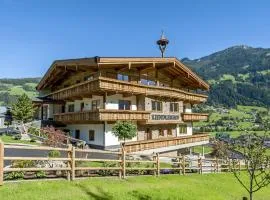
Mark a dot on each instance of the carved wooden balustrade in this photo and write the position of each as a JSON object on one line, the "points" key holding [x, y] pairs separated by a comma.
{"points": [[164, 142], [100, 85], [194, 116], [102, 115]]}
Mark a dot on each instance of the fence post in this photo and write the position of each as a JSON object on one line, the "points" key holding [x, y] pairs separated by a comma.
{"points": [[69, 162], [200, 164], [1, 163], [229, 165], [184, 165], [155, 164], [158, 164], [124, 164], [73, 155], [216, 164], [120, 163]]}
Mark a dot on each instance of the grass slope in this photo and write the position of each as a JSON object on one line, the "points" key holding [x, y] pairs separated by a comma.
{"points": [[175, 187]]}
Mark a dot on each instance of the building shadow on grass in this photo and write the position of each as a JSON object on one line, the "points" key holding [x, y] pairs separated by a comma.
{"points": [[100, 194]]}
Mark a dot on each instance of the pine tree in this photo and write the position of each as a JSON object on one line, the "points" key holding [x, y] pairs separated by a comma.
{"points": [[23, 110]]}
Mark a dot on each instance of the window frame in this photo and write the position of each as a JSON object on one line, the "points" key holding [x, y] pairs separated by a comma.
{"points": [[125, 106], [154, 106], [91, 137], [95, 104], [71, 106], [174, 107]]}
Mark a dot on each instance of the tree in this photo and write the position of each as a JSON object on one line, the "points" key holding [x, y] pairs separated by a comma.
{"points": [[253, 148], [53, 137], [124, 130], [23, 110]]}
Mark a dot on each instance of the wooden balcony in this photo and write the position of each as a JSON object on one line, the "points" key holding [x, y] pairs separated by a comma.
{"points": [[102, 115], [193, 117], [164, 142], [100, 85]]}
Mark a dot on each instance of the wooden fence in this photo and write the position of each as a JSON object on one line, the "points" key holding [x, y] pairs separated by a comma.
{"points": [[123, 162]]}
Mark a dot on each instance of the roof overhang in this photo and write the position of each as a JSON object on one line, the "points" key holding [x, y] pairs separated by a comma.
{"points": [[172, 66]]}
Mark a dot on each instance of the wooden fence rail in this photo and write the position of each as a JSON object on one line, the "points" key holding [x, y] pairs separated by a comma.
{"points": [[123, 163]]}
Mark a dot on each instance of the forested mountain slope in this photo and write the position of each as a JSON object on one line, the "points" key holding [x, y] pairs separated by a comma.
{"points": [[237, 75]]}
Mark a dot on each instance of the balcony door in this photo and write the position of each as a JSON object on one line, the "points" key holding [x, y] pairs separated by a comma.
{"points": [[124, 105], [148, 134]]}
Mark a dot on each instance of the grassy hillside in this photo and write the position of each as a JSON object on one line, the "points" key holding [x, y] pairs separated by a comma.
{"points": [[240, 118], [169, 187], [10, 89]]}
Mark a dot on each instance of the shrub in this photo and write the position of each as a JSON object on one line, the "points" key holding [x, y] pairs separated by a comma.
{"points": [[32, 140], [54, 154], [40, 174], [23, 164], [15, 175], [17, 137]]}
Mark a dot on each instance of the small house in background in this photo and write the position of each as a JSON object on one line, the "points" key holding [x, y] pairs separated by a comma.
{"points": [[3, 110]]}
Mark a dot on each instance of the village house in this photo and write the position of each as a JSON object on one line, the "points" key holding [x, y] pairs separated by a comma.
{"points": [[88, 95]]}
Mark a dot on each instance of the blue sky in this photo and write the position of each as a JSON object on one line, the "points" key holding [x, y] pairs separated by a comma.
{"points": [[34, 33]]}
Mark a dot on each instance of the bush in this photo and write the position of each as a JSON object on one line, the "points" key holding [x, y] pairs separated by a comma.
{"points": [[17, 137], [40, 174], [15, 175], [23, 164], [32, 140], [54, 154]]}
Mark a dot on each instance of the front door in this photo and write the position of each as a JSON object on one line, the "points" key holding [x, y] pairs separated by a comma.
{"points": [[148, 134], [77, 134]]}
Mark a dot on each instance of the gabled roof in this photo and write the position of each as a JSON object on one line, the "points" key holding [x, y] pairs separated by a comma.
{"points": [[173, 66]]}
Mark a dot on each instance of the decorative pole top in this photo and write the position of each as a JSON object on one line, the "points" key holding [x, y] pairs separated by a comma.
{"points": [[162, 43]]}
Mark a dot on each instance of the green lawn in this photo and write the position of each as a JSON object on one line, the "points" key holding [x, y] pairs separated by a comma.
{"points": [[9, 139], [235, 134], [168, 187], [198, 149]]}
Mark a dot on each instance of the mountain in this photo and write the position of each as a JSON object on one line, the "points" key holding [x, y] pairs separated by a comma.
{"points": [[237, 75], [10, 89]]}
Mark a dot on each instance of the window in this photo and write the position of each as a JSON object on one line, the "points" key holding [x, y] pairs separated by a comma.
{"points": [[77, 134], [147, 82], [174, 107], [124, 105], [71, 108], [183, 129], [91, 135], [156, 106], [169, 132], [122, 77], [95, 104], [88, 78], [161, 132], [82, 106], [63, 108]]}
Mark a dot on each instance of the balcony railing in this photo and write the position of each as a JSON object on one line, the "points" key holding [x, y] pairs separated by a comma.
{"points": [[102, 84], [102, 115], [194, 116], [164, 142]]}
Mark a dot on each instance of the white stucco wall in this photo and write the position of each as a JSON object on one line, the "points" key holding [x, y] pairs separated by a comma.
{"points": [[110, 139], [188, 108], [84, 132], [113, 101], [189, 128]]}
